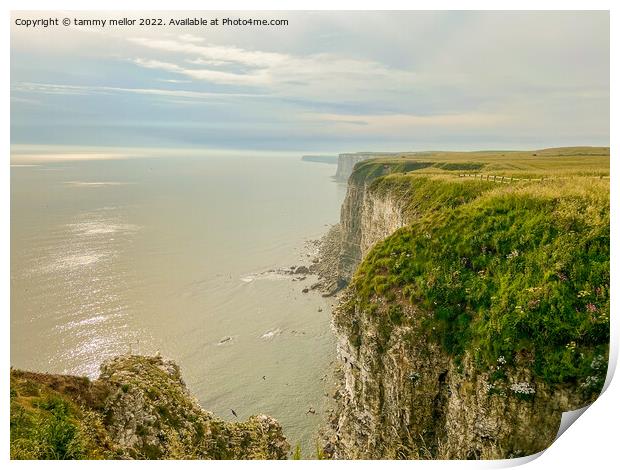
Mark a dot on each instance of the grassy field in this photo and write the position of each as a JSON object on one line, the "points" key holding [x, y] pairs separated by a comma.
{"points": [[504, 269], [556, 162]]}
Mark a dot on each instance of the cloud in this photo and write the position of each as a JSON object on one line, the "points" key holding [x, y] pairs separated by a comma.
{"points": [[358, 78], [400, 124], [55, 89], [259, 77], [190, 38], [225, 54], [172, 80], [313, 76]]}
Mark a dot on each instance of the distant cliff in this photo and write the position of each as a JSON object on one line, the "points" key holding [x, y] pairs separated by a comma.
{"points": [[139, 408], [329, 159], [367, 217], [347, 161], [476, 312]]}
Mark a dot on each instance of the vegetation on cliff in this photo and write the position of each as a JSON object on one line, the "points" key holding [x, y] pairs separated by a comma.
{"points": [[466, 332], [505, 269], [138, 408]]}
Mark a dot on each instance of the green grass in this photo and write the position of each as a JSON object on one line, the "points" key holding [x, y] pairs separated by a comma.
{"points": [[423, 193], [46, 424], [503, 270], [370, 169], [551, 163]]}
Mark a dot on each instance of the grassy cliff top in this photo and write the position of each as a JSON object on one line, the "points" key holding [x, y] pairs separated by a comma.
{"points": [[553, 162]]}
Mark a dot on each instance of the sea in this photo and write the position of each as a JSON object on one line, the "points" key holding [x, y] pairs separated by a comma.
{"points": [[182, 256]]}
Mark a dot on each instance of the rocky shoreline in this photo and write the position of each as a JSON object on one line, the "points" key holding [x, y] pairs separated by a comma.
{"points": [[324, 256], [325, 264]]}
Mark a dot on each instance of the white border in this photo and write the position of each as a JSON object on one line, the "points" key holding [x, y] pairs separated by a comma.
{"points": [[592, 442]]}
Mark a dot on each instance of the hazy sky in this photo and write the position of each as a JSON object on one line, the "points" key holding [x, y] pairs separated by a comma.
{"points": [[327, 82]]}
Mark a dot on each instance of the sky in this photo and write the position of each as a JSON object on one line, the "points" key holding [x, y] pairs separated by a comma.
{"points": [[327, 82]]}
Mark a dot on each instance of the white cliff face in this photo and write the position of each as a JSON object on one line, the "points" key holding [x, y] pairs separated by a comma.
{"points": [[381, 216], [388, 392], [365, 219], [347, 161], [514, 417], [402, 396]]}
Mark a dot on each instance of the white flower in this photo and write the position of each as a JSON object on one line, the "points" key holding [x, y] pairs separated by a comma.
{"points": [[598, 362], [522, 388], [592, 382]]}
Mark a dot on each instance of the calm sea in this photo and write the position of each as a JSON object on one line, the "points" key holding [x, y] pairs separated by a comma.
{"points": [[173, 255]]}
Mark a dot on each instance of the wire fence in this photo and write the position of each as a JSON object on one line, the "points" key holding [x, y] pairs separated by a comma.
{"points": [[510, 179]]}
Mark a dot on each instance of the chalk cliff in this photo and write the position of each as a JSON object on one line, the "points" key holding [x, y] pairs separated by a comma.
{"points": [[439, 357]]}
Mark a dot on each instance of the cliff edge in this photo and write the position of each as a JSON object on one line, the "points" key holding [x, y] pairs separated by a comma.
{"points": [[138, 408]]}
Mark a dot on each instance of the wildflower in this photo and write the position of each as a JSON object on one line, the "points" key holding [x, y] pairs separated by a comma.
{"points": [[513, 254], [591, 308], [522, 388], [598, 363], [501, 360], [592, 382]]}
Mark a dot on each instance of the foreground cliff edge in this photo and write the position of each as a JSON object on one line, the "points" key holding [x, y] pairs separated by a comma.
{"points": [[477, 309], [138, 408]]}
